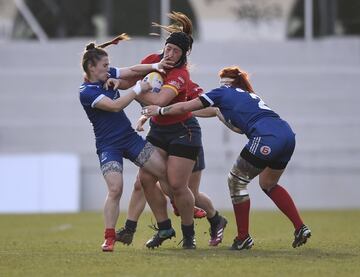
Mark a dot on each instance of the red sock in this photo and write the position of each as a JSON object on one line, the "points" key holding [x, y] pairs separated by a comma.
{"points": [[109, 233], [242, 211], [284, 202]]}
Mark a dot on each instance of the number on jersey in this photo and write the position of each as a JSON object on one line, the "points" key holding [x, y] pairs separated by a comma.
{"points": [[261, 103]]}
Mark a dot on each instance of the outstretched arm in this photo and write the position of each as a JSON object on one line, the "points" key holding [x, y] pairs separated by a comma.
{"points": [[178, 108], [140, 70], [207, 112]]}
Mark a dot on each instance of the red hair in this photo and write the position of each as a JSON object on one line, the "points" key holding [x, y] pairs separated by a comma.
{"points": [[241, 77]]}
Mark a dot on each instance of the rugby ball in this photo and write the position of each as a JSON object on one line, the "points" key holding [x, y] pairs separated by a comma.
{"points": [[156, 81]]}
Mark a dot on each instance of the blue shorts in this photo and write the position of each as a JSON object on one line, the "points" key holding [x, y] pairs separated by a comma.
{"points": [[181, 139], [271, 144], [129, 149]]}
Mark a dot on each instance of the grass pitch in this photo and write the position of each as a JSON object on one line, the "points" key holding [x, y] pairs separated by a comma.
{"points": [[69, 245]]}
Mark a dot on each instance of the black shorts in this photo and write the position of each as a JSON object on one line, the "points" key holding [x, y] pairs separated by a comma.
{"points": [[180, 139], [200, 161]]}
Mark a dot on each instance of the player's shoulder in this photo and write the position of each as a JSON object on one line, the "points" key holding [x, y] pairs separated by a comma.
{"points": [[179, 72], [88, 88], [152, 58]]}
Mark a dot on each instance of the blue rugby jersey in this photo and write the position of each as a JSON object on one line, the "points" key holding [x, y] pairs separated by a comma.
{"points": [[109, 127], [239, 108]]}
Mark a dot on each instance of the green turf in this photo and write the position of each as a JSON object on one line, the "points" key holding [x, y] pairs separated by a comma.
{"points": [[69, 245]]}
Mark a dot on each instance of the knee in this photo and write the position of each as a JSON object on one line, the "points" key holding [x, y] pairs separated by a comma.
{"points": [[137, 185], [115, 190], [177, 187], [266, 186], [238, 187]]}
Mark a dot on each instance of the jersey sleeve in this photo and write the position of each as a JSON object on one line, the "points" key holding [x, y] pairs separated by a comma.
{"points": [[153, 58], [176, 80], [90, 97], [211, 98], [114, 72], [194, 91]]}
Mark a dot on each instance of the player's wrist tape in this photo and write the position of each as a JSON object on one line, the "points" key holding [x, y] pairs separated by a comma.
{"points": [[137, 88], [155, 66], [160, 111]]}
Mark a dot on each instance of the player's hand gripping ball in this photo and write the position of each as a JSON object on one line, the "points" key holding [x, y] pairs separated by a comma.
{"points": [[155, 80]]}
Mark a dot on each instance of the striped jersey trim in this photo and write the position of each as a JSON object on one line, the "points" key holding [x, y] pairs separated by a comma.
{"points": [[171, 87], [254, 145]]}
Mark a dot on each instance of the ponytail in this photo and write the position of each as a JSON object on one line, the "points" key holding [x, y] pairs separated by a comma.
{"points": [[181, 24], [238, 77], [115, 41], [94, 53]]}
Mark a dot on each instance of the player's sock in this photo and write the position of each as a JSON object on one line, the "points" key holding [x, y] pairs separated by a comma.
{"points": [[109, 233], [214, 221], [131, 225], [164, 225], [188, 230], [284, 202], [242, 211]]}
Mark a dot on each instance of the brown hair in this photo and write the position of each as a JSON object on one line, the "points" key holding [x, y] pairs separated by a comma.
{"points": [[94, 53], [241, 77], [181, 24]]}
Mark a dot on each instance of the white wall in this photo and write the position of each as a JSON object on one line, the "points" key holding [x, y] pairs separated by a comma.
{"points": [[36, 183], [313, 86]]}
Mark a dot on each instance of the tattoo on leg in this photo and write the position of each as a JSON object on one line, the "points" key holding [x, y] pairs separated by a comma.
{"points": [[112, 166], [144, 155]]}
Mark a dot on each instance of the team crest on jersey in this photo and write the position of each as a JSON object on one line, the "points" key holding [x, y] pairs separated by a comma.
{"points": [[175, 84], [265, 150], [103, 157]]}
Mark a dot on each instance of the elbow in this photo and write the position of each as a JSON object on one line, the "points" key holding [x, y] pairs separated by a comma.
{"points": [[115, 109]]}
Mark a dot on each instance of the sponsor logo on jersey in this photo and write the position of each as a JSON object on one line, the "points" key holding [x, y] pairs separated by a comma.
{"points": [[265, 150], [103, 156], [116, 95], [175, 84], [181, 79]]}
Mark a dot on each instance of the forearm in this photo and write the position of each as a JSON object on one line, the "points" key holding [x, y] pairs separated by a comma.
{"points": [[178, 108], [123, 101], [152, 99], [207, 112], [140, 70]]}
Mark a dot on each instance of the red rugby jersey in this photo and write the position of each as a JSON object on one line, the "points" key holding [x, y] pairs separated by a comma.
{"points": [[194, 91], [178, 80]]}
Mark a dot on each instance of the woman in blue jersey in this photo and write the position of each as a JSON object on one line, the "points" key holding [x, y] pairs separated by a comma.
{"points": [[115, 138], [270, 147]]}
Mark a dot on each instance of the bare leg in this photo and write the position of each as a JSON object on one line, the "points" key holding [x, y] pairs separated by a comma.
{"points": [[179, 171], [154, 195], [112, 172], [201, 199], [137, 201], [114, 183]]}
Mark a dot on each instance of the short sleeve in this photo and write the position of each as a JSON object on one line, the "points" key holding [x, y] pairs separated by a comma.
{"points": [[90, 97], [153, 58], [194, 91], [211, 98], [114, 72]]}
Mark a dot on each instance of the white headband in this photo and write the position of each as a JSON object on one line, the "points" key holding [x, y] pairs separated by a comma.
{"points": [[226, 81]]}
